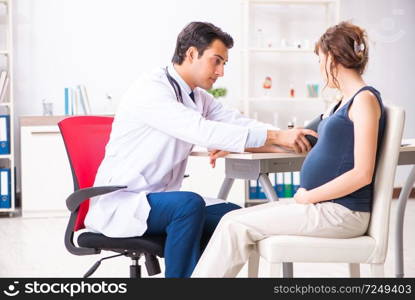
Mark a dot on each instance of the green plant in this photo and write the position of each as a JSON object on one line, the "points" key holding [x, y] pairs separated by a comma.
{"points": [[217, 93]]}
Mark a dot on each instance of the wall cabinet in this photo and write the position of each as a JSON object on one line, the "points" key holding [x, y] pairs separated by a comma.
{"points": [[46, 174]]}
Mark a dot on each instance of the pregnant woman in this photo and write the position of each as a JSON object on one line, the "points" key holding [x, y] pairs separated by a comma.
{"points": [[334, 200]]}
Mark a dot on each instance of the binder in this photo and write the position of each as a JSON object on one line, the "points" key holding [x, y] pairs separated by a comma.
{"points": [[5, 188], [296, 182], [273, 179], [67, 100], [4, 89], [253, 189], [4, 82], [288, 186], [83, 96], [3, 76], [280, 185], [72, 101], [261, 193], [4, 134]]}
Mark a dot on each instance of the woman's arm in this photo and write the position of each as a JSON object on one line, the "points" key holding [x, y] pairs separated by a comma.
{"points": [[365, 114]]}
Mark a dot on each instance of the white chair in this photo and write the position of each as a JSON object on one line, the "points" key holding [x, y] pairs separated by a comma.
{"points": [[370, 248]]}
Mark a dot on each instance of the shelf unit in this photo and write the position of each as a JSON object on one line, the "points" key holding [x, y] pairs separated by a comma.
{"points": [[7, 107], [278, 41]]}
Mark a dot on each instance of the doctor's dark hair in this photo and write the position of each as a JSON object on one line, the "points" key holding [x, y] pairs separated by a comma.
{"points": [[348, 46], [199, 35]]}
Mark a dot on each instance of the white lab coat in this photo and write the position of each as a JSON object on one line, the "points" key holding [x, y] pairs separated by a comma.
{"points": [[151, 139]]}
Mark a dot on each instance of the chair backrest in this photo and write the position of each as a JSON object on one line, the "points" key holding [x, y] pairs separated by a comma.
{"points": [[384, 180], [85, 138]]}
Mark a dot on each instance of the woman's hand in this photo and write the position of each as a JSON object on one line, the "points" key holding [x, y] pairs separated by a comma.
{"points": [[302, 196], [214, 154]]}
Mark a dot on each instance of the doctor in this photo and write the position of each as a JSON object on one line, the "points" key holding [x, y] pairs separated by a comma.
{"points": [[159, 120]]}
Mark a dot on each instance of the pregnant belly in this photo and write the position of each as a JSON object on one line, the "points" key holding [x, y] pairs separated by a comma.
{"points": [[318, 170]]}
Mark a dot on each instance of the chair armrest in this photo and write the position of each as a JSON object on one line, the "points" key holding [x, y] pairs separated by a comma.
{"points": [[73, 202], [76, 198]]}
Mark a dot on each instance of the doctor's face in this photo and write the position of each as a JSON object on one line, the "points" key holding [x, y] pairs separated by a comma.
{"points": [[210, 66]]}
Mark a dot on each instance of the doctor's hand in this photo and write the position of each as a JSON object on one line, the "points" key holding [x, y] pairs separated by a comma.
{"points": [[214, 154], [301, 197], [293, 139]]}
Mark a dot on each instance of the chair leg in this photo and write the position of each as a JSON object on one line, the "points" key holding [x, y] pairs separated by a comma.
{"points": [[377, 270], [135, 268], [354, 270], [287, 270], [253, 265], [272, 269], [152, 264]]}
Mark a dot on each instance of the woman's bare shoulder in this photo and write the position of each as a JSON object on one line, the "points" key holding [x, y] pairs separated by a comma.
{"points": [[366, 98], [365, 102]]}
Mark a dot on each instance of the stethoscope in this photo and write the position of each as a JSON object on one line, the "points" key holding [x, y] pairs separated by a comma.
{"points": [[175, 85]]}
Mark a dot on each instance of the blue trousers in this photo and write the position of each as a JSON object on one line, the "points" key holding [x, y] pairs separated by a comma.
{"points": [[188, 224]]}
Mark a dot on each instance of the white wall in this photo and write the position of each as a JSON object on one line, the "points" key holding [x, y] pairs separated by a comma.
{"points": [[391, 28], [105, 44]]}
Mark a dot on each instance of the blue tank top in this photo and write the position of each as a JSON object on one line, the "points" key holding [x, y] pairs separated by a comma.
{"points": [[333, 154]]}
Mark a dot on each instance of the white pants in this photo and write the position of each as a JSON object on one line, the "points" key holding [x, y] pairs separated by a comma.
{"points": [[239, 230]]}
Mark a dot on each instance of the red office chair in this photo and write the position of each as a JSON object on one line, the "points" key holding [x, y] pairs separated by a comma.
{"points": [[85, 138]]}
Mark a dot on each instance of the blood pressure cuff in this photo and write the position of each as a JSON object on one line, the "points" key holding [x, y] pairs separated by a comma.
{"points": [[313, 125]]}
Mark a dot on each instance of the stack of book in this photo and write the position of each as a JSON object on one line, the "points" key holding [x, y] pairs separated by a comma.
{"points": [[4, 86], [77, 101]]}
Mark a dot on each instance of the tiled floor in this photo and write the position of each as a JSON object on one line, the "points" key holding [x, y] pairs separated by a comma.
{"points": [[33, 247]]}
